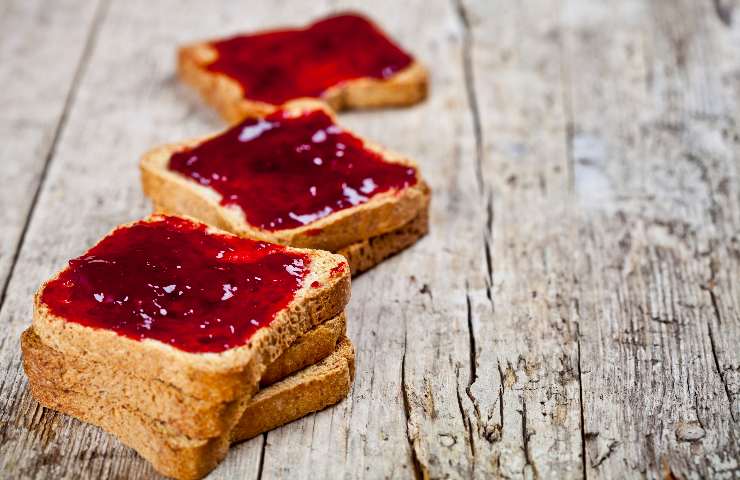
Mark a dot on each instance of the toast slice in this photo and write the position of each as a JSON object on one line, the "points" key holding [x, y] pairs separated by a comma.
{"points": [[344, 60], [183, 415], [331, 202], [211, 368]]}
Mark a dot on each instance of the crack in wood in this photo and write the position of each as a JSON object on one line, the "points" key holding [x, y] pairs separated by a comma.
{"points": [[501, 395], [420, 472], [100, 12], [584, 469], [467, 54], [712, 343], [487, 243], [467, 422], [724, 12], [526, 435], [471, 342], [260, 467], [601, 448]]}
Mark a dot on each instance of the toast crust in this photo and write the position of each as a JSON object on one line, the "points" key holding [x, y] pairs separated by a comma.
{"points": [[183, 460], [176, 194], [182, 415], [315, 345], [404, 88], [306, 391], [311, 389]]}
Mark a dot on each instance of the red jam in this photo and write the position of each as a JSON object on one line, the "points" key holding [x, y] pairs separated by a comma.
{"points": [[280, 65], [338, 270], [169, 280], [286, 172]]}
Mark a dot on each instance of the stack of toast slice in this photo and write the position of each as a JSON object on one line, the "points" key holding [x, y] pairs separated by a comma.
{"points": [[297, 178], [344, 60], [179, 339]]}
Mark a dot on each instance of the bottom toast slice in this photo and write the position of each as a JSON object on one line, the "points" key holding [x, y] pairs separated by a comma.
{"points": [[311, 389]]}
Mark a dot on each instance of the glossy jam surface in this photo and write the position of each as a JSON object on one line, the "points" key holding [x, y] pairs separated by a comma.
{"points": [[280, 65], [169, 280], [285, 172]]}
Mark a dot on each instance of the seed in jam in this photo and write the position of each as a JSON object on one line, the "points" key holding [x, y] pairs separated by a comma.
{"points": [[280, 65], [170, 280], [285, 171]]}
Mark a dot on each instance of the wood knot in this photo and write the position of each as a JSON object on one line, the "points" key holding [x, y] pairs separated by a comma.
{"points": [[689, 431]]}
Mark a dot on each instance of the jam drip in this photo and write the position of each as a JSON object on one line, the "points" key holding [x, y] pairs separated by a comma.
{"points": [[280, 65], [169, 280], [288, 171]]}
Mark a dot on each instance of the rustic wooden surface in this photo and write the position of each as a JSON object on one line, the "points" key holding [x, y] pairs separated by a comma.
{"points": [[575, 311]]}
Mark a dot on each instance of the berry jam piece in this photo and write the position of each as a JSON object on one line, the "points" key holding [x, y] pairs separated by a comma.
{"points": [[338, 270], [170, 280], [287, 171], [280, 65]]}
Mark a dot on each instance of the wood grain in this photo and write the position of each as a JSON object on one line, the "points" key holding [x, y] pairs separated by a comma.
{"points": [[654, 400], [574, 311], [38, 90]]}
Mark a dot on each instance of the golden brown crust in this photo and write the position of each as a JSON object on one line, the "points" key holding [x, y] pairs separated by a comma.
{"points": [[177, 458], [312, 347], [406, 87], [311, 389], [173, 193], [181, 415]]}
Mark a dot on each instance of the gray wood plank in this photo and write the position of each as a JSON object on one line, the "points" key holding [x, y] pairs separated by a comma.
{"points": [[651, 142], [43, 51]]}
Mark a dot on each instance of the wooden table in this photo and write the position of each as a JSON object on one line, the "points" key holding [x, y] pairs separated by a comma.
{"points": [[575, 311]]}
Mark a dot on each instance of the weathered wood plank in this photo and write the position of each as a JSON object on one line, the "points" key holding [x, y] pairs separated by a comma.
{"points": [[42, 52], [648, 111], [722, 181], [407, 317], [524, 401]]}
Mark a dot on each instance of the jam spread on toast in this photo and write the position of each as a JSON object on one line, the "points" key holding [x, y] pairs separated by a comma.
{"points": [[170, 280], [285, 171], [280, 65]]}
